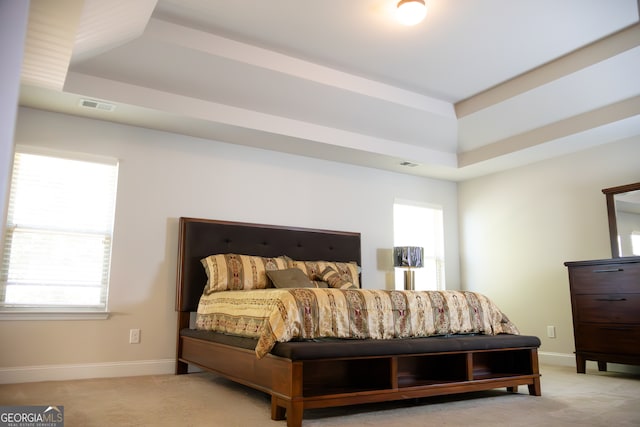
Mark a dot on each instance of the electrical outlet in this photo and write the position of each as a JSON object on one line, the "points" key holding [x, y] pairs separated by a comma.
{"points": [[134, 336], [551, 331]]}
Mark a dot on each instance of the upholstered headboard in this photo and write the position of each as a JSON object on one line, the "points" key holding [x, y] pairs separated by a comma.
{"points": [[199, 238]]}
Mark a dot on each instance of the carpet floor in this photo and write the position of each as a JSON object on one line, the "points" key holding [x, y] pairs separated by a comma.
{"points": [[204, 399]]}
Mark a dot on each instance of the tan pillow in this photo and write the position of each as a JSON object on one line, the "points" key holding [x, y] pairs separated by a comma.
{"points": [[237, 272], [289, 278], [320, 284]]}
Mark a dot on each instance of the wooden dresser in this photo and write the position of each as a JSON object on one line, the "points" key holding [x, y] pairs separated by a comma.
{"points": [[605, 301]]}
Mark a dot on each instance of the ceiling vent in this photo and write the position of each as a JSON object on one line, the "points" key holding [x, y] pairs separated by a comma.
{"points": [[408, 164], [97, 105]]}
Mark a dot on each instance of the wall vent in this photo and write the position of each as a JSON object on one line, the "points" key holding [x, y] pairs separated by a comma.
{"points": [[97, 105], [408, 164]]}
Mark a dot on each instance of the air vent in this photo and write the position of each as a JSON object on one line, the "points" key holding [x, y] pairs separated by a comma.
{"points": [[97, 105], [408, 164]]}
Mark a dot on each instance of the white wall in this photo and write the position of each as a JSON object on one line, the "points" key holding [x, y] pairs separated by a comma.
{"points": [[164, 176], [13, 30], [518, 228]]}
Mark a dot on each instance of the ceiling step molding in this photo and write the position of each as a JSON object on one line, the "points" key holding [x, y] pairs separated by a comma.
{"points": [[577, 60]]}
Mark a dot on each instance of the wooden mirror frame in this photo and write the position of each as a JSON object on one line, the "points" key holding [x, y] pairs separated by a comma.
{"points": [[611, 213]]}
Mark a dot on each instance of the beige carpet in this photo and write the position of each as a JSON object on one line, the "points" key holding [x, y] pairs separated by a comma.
{"points": [[202, 399]]}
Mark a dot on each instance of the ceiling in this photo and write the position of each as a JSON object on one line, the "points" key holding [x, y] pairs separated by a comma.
{"points": [[477, 87]]}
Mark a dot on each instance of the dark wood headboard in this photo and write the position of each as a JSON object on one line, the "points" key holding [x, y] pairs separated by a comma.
{"points": [[199, 238]]}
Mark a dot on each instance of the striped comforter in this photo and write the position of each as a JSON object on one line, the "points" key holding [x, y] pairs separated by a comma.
{"points": [[280, 315]]}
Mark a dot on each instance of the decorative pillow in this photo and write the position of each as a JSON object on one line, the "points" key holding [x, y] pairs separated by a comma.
{"points": [[289, 278], [227, 272], [313, 269], [319, 283], [335, 280]]}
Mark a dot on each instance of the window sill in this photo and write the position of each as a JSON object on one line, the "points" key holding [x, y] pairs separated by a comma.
{"points": [[54, 315]]}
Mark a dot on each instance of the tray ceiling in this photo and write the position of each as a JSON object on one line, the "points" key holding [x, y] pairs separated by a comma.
{"points": [[477, 87]]}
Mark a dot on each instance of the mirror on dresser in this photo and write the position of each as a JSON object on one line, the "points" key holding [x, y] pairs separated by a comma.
{"points": [[623, 209], [605, 293]]}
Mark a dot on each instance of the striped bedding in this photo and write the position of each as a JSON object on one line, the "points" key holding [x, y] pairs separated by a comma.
{"points": [[281, 315]]}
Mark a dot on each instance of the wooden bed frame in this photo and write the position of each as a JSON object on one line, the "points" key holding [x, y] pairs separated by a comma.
{"points": [[301, 376]]}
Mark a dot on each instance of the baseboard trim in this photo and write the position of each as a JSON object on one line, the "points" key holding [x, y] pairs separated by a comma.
{"points": [[563, 359], [26, 374], [557, 359]]}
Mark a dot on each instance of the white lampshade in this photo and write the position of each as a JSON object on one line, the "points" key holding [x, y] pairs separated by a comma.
{"points": [[410, 12]]}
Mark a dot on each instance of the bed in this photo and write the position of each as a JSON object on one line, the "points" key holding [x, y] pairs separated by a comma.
{"points": [[317, 373]]}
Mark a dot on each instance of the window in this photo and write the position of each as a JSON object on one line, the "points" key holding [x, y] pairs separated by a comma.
{"points": [[420, 225], [635, 242], [57, 248]]}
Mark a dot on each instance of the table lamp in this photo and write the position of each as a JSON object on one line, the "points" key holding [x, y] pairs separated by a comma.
{"points": [[408, 257]]}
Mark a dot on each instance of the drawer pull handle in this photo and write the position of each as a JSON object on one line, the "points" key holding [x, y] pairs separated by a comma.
{"points": [[608, 270], [611, 299]]}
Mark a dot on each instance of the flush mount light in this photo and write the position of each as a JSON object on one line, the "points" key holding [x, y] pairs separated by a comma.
{"points": [[410, 12]]}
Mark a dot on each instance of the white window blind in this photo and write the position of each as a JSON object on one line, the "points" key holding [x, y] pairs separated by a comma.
{"points": [[57, 248], [415, 224]]}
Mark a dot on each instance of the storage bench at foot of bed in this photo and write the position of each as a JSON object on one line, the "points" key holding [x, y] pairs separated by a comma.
{"points": [[301, 376], [327, 383]]}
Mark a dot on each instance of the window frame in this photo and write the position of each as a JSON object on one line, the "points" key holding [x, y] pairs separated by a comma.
{"points": [[40, 311]]}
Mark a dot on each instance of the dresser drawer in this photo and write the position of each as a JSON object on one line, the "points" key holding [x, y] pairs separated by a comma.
{"points": [[605, 278], [608, 308], [617, 339]]}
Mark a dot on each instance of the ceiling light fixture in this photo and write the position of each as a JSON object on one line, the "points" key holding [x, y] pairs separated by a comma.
{"points": [[411, 12]]}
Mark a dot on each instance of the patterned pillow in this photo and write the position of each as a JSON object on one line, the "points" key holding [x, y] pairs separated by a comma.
{"points": [[335, 280], [227, 272], [313, 269], [320, 284]]}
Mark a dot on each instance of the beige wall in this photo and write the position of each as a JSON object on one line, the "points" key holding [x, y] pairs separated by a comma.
{"points": [[516, 230], [164, 176], [518, 227]]}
